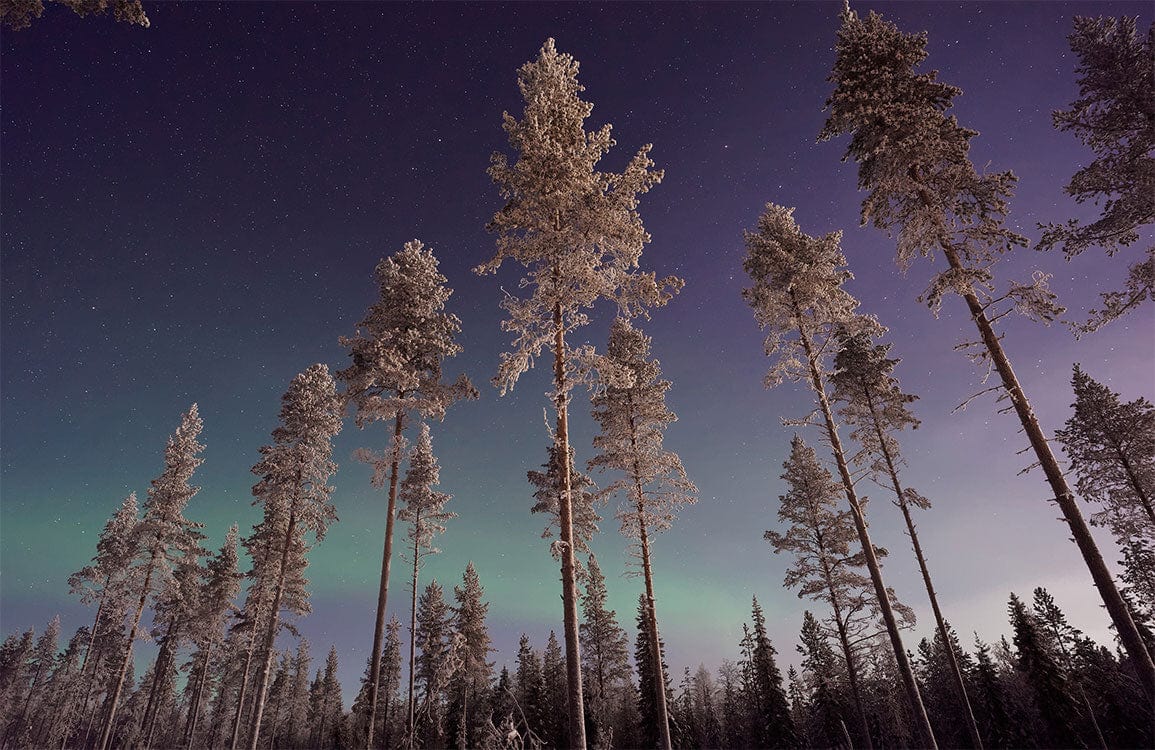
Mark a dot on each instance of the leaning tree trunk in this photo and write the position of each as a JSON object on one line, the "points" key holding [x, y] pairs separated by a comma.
{"points": [[1064, 498], [940, 621], [576, 707], [106, 732], [383, 587], [271, 633], [198, 695], [160, 668], [904, 668], [851, 666], [410, 723]]}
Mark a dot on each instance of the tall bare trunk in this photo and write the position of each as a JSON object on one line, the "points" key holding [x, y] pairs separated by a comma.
{"points": [[383, 586], [410, 723], [904, 668], [106, 732], [160, 667], [242, 692], [577, 726], [271, 633], [195, 709], [940, 621]]}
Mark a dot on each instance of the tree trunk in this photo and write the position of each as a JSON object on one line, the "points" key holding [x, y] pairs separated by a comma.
{"points": [[940, 622], [904, 668], [577, 725], [655, 645], [241, 692], [106, 732], [383, 587], [195, 709], [160, 667], [410, 723], [851, 667], [271, 633], [1136, 485]]}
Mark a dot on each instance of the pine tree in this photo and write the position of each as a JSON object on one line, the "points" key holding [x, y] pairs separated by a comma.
{"points": [[766, 699], [650, 670], [529, 689], [798, 300], [39, 664], [605, 653], [1039, 660], [873, 405], [395, 375], [549, 486], [820, 538], [1112, 116], [294, 471], [163, 532], [913, 158], [469, 687], [577, 232], [1111, 448], [424, 509], [555, 729], [221, 585], [630, 408], [824, 709]]}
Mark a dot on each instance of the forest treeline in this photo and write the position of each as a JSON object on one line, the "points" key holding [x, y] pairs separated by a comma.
{"points": [[227, 673]]}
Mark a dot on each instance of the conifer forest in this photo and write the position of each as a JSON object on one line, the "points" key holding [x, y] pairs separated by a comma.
{"points": [[672, 375]]}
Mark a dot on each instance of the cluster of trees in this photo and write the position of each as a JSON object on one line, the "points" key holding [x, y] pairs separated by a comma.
{"points": [[576, 232]]}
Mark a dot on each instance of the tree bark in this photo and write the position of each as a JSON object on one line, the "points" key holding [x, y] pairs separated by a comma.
{"points": [[940, 621], [383, 586], [106, 732], [904, 668], [577, 725], [410, 719], [271, 633], [161, 665], [195, 709]]}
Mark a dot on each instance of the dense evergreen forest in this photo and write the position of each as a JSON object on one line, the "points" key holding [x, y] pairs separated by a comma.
{"points": [[231, 670]]}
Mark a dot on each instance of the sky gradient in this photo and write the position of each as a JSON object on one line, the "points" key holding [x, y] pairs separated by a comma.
{"points": [[192, 213]]}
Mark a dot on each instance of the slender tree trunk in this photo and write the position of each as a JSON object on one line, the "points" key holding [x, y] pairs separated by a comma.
{"points": [[410, 720], [940, 621], [106, 732], [271, 632], [1064, 498], [577, 725], [904, 668], [848, 652], [383, 587], [651, 611], [160, 668], [195, 710], [243, 690], [1136, 485], [846, 735], [277, 715]]}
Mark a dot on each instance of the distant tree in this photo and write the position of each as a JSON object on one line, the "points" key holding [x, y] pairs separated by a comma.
{"points": [[424, 509], [165, 534], [605, 653], [388, 694], [935, 659], [1039, 661], [555, 729], [325, 707], [646, 658], [1112, 116], [396, 374], [432, 666], [821, 680], [294, 471], [872, 404], [18, 14], [38, 667], [765, 697], [470, 684], [578, 233], [913, 158], [1111, 448], [529, 689], [820, 537], [630, 408], [798, 300]]}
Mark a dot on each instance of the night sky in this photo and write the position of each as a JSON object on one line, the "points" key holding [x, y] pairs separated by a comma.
{"points": [[192, 213]]}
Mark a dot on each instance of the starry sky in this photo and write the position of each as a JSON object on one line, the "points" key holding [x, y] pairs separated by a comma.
{"points": [[192, 213]]}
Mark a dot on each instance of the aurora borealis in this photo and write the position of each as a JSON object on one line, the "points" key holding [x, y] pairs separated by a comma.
{"points": [[192, 212]]}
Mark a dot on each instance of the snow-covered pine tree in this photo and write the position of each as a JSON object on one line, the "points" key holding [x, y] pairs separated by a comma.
{"points": [[913, 159], [605, 654], [629, 406], [424, 509], [1112, 117], [823, 709], [1039, 659], [163, 532], [555, 729], [578, 233], [294, 471], [871, 402], [820, 536], [1111, 449], [431, 668], [770, 713], [798, 300], [395, 374], [529, 691], [549, 487], [470, 684], [648, 673], [221, 586]]}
